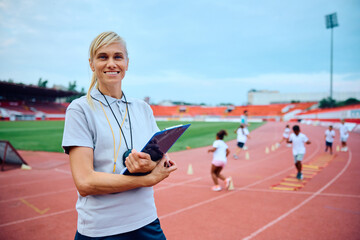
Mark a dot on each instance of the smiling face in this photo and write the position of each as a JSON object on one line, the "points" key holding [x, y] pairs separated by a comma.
{"points": [[110, 64]]}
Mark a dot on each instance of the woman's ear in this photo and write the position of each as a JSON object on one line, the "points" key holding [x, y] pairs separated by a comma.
{"points": [[127, 65], [91, 65]]}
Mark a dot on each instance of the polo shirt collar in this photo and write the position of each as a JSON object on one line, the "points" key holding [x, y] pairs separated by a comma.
{"points": [[96, 95]]}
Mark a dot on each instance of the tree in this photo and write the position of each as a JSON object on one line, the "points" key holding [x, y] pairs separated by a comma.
{"points": [[327, 103], [42, 83], [351, 101], [72, 86]]}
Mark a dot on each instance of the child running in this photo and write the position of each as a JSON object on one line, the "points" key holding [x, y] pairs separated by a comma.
{"points": [[329, 138], [286, 135], [298, 139], [242, 135], [344, 134], [221, 151]]}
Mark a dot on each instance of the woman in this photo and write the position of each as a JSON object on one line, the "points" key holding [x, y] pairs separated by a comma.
{"points": [[102, 131]]}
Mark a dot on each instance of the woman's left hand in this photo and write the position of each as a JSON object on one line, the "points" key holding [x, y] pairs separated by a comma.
{"points": [[139, 162]]}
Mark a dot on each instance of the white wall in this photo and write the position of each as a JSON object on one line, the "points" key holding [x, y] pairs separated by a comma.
{"points": [[267, 97]]}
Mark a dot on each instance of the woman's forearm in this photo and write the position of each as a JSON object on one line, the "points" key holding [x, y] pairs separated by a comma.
{"points": [[104, 183]]}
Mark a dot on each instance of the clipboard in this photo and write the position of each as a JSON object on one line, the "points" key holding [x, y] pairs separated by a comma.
{"points": [[160, 143]]}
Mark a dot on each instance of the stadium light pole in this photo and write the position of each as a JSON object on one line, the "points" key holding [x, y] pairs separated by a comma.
{"points": [[331, 22]]}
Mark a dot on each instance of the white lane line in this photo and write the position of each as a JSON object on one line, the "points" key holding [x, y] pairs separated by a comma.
{"points": [[305, 193], [37, 217], [38, 195], [302, 203], [63, 171], [33, 182], [178, 184], [285, 192]]}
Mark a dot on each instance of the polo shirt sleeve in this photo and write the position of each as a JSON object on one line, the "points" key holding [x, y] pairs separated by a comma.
{"points": [[216, 144], [152, 120], [76, 130]]}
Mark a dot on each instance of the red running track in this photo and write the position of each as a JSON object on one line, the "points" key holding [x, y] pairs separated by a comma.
{"points": [[40, 203]]}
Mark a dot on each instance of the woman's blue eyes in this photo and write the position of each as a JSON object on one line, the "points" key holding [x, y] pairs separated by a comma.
{"points": [[105, 57]]}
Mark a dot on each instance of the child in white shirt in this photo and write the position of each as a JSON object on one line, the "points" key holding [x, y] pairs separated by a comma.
{"points": [[298, 139], [286, 135], [329, 138], [344, 134], [242, 135], [221, 151]]}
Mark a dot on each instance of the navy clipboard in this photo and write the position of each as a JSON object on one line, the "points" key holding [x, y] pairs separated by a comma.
{"points": [[160, 143]]}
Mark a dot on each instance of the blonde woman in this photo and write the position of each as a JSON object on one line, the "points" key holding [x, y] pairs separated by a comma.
{"points": [[102, 133]]}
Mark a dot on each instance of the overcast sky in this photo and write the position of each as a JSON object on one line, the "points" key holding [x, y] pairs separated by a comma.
{"points": [[195, 51]]}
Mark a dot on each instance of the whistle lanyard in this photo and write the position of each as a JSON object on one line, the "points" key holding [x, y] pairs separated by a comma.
{"points": [[116, 152]]}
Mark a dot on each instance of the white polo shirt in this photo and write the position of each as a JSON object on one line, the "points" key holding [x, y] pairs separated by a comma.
{"points": [[110, 214]]}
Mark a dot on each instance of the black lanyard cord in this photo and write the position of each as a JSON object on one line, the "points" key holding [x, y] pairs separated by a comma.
{"points": [[127, 109]]}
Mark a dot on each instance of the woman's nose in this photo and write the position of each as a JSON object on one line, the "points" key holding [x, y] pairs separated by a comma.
{"points": [[111, 63]]}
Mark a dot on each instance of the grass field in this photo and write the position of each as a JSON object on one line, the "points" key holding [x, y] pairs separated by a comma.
{"points": [[47, 135]]}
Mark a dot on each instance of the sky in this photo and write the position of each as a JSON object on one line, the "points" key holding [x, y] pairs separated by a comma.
{"points": [[199, 51]]}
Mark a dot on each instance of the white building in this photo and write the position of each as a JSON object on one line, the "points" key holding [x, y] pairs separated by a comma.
{"points": [[265, 97]]}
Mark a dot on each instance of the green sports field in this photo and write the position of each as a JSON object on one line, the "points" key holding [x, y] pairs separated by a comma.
{"points": [[47, 135]]}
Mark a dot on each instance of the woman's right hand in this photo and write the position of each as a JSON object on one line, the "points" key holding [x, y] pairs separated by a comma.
{"points": [[162, 170]]}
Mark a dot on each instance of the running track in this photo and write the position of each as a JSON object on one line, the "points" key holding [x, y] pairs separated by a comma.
{"points": [[39, 204]]}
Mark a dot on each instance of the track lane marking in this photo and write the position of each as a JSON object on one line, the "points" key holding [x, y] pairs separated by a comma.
{"points": [[41, 212], [38, 195], [63, 171], [37, 217], [177, 184]]}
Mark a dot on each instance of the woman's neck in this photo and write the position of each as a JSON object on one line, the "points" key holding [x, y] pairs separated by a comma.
{"points": [[112, 91]]}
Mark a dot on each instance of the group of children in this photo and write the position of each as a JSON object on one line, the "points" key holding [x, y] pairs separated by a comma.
{"points": [[297, 139]]}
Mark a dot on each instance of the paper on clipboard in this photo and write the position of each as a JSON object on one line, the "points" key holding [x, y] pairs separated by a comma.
{"points": [[160, 143]]}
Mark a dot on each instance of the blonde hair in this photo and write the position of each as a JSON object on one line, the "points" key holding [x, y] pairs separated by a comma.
{"points": [[103, 39]]}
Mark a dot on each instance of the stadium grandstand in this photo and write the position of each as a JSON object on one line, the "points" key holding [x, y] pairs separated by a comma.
{"points": [[271, 112], [350, 113], [28, 102]]}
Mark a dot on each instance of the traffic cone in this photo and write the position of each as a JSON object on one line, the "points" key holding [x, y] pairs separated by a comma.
{"points": [[188, 147], [267, 150], [25, 167], [247, 155], [231, 185], [190, 170]]}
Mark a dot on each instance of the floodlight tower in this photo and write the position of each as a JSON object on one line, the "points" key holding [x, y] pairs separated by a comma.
{"points": [[331, 22]]}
